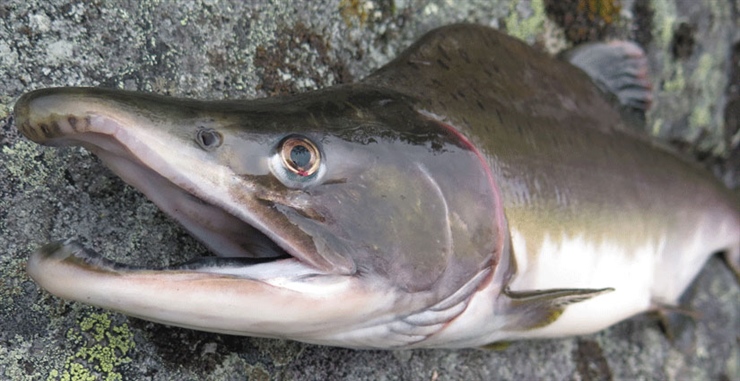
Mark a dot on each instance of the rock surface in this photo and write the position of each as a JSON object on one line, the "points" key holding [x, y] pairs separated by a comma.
{"points": [[234, 49]]}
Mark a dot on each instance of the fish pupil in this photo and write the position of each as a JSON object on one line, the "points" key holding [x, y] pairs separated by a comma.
{"points": [[300, 156]]}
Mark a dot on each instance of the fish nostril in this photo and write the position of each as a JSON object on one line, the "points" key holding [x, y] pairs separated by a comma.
{"points": [[45, 129], [208, 138], [72, 120]]}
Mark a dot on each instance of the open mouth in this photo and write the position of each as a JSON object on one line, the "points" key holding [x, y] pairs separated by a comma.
{"points": [[242, 251], [238, 245], [172, 173]]}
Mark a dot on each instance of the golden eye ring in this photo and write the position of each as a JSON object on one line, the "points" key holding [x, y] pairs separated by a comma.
{"points": [[300, 156]]}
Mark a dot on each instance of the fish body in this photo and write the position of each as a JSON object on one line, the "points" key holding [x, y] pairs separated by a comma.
{"points": [[471, 191]]}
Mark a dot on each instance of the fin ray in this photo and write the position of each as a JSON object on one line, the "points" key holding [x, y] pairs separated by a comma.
{"points": [[617, 67], [538, 308]]}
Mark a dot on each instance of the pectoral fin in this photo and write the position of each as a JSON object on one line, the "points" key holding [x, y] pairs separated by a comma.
{"points": [[538, 308]]}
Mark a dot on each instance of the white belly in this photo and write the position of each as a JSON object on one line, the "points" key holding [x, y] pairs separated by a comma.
{"points": [[574, 262]]}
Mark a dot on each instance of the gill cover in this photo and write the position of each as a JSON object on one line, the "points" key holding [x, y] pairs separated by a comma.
{"points": [[400, 195]]}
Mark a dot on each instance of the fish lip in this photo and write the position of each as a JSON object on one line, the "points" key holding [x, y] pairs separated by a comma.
{"points": [[60, 132]]}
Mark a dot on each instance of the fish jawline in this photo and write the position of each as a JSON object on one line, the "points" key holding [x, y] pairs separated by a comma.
{"points": [[304, 307]]}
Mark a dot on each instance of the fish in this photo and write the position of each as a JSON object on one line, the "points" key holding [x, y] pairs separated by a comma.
{"points": [[472, 191]]}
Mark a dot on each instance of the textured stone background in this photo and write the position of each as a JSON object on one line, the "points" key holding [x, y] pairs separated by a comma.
{"points": [[235, 49]]}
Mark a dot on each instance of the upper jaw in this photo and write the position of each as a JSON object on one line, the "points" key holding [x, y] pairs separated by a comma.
{"points": [[150, 142]]}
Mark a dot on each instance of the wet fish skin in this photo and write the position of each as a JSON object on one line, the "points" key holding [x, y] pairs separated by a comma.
{"points": [[473, 190]]}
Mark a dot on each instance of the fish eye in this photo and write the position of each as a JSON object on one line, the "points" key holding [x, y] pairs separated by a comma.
{"points": [[208, 138], [300, 156]]}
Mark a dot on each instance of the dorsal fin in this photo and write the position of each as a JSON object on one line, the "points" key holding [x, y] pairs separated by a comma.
{"points": [[617, 67]]}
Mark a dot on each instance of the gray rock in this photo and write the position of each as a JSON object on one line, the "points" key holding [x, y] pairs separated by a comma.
{"points": [[234, 49]]}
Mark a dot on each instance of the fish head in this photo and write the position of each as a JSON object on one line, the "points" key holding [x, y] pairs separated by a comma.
{"points": [[333, 214]]}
